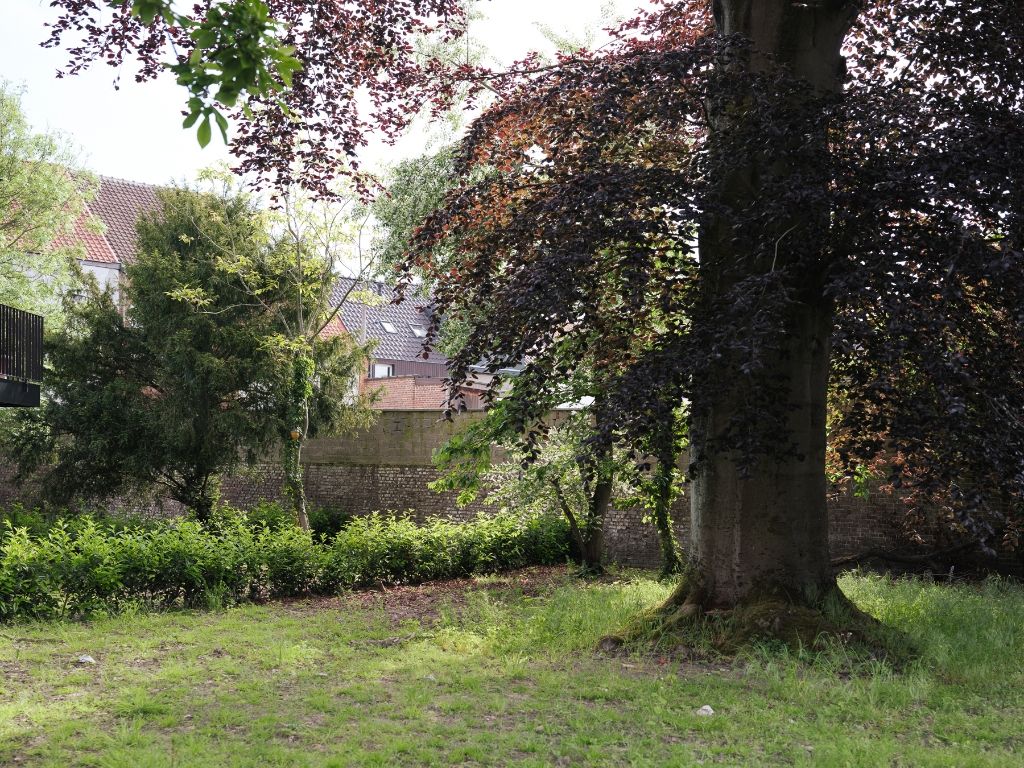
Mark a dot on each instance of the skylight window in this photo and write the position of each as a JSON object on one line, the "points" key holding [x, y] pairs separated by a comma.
{"points": [[389, 327], [418, 331]]}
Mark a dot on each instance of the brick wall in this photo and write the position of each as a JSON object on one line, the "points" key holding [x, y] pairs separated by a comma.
{"points": [[388, 467], [855, 525], [406, 393], [355, 490], [419, 393]]}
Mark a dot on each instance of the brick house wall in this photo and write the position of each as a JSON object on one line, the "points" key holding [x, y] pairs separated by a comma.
{"points": [[418, 393], [406, 393]]}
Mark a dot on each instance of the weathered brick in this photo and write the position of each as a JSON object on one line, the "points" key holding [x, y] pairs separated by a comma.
{"points": [[387, 468]]}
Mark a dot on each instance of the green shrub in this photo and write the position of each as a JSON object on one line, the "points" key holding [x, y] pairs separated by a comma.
{"points": [[34, 520], [324, 522], [328, 521], [272, 515], [266, 514], [38, 521], [85, 566], [293, 562]]}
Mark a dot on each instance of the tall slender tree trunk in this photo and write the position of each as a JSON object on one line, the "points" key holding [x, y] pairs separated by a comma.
{"points": [[298, 418], [294, 484], [664, 480], [760, 526], [600, 502], [588, 536]]}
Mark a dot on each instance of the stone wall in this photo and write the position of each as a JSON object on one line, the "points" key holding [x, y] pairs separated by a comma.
{"points": [[353, 489], [388, 467], [855, 525], [385, 467]]}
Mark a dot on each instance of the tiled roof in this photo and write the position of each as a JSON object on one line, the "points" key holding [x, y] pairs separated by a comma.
{"points": [[333, 328], [95, 244], [403, 344], [118, 204]]}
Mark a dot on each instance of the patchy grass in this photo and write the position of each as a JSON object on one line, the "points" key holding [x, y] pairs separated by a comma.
{"points": [[501, 671]]}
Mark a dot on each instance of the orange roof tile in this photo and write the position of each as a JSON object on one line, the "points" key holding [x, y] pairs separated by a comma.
{"points": [[118, 205], [95, 244]]}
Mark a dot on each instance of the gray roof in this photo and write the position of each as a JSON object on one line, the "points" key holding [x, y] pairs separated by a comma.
{"points": [[403, 344]]}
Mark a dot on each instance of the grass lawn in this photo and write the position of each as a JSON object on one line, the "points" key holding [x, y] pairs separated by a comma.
{"points": [[502, 671]]}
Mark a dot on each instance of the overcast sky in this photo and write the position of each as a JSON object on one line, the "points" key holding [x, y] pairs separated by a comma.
{"points": [[136, 133]]}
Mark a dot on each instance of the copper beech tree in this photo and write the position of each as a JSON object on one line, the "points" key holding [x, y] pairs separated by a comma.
{"points": [[756, 202]]}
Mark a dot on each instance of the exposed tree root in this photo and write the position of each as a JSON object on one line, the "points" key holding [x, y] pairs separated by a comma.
{"points": [[686, 619], [938, 564], [591, 571]]}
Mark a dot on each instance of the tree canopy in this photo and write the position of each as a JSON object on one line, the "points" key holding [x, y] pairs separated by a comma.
{"points": [[187, 383], [739, 207], [163, 395], [307, 84], [43, 192], [604, 169]]}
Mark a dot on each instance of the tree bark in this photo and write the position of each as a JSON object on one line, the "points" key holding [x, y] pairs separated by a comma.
{"points": [[600, 502], [298, 417], [760, 526], [294, 485], [763, 529], [671, 562], [198, 494], [589, 538]]}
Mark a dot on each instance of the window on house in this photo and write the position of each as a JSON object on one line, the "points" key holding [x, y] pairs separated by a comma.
{"points": [[419, 331], [389, 327], [382, 371]]}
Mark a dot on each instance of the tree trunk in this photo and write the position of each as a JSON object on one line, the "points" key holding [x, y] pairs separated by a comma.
{"points": [[600, 502], [671, 562], [202, 509], [198, 495], [763, 529], [294, 486], [760, 526], [298, 417]]}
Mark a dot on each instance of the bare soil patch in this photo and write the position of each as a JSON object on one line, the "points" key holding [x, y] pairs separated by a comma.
{"points": [[424, 602]]}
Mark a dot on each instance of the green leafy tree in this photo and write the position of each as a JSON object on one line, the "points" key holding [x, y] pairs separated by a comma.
{"points": [[659, 482], [43, 192], [415, 189], [295, 282], [162, 396], [549, 470]]}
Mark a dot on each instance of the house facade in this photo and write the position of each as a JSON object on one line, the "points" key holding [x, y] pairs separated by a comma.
{"points": [[404, 376]]}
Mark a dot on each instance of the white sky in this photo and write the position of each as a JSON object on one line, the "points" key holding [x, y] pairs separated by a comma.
{"points": [[135, 133]]}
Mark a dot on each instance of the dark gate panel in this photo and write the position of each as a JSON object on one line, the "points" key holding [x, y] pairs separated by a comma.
{"points": [[21, 357]]}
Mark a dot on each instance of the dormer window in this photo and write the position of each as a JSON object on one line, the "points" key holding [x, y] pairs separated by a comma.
{"points": [[418, 331], [388, 327]]}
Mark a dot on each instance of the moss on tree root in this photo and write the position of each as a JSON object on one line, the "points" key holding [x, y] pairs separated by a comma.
{"points": [[686, 620]]}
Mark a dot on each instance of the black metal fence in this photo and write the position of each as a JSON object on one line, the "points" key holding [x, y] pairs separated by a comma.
{"points": [[21, 345]]}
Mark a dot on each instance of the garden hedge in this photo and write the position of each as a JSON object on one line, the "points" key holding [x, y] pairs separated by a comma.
{"points": [[80, 566]]}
